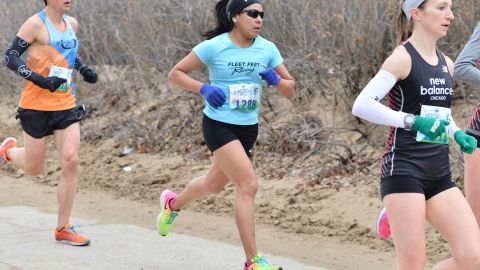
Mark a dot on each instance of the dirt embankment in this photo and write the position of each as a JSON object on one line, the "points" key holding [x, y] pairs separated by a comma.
{"points": [[310, 196]]}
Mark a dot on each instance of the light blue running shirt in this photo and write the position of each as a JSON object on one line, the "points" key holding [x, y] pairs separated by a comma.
{"points": [[235, 70]]}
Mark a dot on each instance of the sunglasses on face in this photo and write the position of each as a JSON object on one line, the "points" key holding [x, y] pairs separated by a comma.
{"points": [[253, 13]]}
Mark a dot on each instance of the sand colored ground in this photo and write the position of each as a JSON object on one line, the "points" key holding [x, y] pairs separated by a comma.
{"points": [[322, 227]]}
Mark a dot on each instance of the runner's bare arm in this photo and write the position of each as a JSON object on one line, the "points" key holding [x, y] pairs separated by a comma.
{"points": [[286, 86], [451, 65], [74, 23], [89, 74], [399, 63], [31, 29], [179, 73]]}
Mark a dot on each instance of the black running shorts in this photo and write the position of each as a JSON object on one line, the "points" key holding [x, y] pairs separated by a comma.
{"points": [[39, 124], [409, 184], [218, 134]]}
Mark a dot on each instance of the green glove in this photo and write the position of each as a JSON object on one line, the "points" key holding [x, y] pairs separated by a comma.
{"points": [[467, 143], [430, 127]]}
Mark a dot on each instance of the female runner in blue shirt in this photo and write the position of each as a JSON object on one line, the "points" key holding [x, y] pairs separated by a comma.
{"points": [[238, 59]]}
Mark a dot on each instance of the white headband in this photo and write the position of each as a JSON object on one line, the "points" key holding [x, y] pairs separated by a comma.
{"points": [[408, 5]]}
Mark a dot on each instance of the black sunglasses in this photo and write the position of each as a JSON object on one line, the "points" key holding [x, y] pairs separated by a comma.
{"points": [[253, 13]]}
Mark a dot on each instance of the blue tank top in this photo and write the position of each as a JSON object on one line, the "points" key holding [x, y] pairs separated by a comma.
{"points": [[66, 43]]}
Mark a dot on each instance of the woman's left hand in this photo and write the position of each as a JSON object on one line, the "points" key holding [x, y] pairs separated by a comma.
{"points": [[270, 76], [468, 144]]}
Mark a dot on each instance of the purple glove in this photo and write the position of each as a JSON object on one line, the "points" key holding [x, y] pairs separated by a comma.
{"points": [[213, 95], [270, 76]]}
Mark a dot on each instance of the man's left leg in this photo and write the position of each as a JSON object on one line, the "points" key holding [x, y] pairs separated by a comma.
{"points": [[67, 142]]}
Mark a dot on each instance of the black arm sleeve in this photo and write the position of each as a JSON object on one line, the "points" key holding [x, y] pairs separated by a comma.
{"points": [[12, 60], [78, 62]]}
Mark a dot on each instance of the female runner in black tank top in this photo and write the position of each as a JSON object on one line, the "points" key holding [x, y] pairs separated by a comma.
{"points": [[415, 174]]}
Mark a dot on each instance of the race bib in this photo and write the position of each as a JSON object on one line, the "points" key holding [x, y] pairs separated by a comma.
{"points": [[63, 73], [437, 113], [244, 97]]}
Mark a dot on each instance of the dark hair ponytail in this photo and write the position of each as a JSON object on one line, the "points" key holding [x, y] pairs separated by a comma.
{"points": [[224, 24], [404, 26], [45, 1]]}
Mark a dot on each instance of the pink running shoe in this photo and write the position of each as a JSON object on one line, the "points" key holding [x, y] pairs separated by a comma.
{"points": [[167, 215], [383, 227]]}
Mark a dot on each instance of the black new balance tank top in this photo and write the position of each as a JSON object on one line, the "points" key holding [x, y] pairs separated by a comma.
{"points": [[425, 85]]}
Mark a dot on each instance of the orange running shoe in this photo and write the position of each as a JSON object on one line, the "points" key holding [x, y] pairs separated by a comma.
{"points": [[68, 235], [8, 143]]}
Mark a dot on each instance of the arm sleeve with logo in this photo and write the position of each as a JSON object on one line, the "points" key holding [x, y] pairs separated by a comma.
{"points": [[275, 57], [367, 105], [466, 64], [12, 60]]}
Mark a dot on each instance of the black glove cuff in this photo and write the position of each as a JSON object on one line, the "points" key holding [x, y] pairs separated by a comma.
{"points": [[82, 69], [89, 75]]}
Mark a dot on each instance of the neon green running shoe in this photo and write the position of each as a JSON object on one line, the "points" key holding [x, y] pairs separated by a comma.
{"points": [[167, 215], [259, 263]]}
